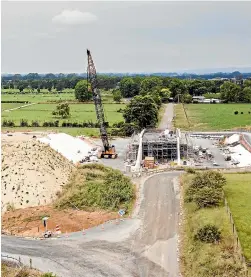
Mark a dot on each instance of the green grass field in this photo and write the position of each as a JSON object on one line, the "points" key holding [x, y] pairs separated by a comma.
{"points": [[200, 259], [67, 95], [36, 98], [7, 106], [238, 193], [79, 113], [211, 117]]}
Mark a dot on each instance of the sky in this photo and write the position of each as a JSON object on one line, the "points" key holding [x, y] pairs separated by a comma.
{"points": [[124, 36]]}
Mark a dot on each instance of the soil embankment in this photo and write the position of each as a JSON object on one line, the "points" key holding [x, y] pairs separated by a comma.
{"points": [[32, 173]]}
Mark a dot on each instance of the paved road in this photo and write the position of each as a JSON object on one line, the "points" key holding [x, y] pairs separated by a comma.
{"points": [[144, 246], [166, 121]]}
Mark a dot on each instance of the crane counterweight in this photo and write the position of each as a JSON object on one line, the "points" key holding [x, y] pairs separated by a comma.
{"points": [[108, 150]]}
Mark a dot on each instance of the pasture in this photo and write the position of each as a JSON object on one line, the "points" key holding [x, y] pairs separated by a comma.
{"points": [[209, 117], [7, 106], [79, 113], [66, 95], [238, 194]]}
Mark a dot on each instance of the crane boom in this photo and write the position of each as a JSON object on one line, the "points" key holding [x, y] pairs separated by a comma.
{"points": [[92, 79]]}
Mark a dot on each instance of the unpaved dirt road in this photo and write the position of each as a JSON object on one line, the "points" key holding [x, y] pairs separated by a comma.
{"points": [[166, 121], [143, 246]]}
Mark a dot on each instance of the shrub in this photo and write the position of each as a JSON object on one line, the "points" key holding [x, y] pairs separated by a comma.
{"points": [[24, 123], [35, 123], [211, 179], [48, 274], [241, 112], [8, 123], [208, 179], [11, 123], [209, 234], [120, 110], [118, 124], [56, 123], [5, 123], [208, 197], [236, 112], [190, 170], [24, 272], [10, 207]]}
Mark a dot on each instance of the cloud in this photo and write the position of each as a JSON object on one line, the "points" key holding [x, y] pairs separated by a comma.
{"points": [[74, 17]]}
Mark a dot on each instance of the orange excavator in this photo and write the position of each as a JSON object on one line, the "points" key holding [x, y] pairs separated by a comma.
{"points": [[108, 150]]}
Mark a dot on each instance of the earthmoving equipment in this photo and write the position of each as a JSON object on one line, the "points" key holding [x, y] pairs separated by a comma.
{"points": [[108, 150]]}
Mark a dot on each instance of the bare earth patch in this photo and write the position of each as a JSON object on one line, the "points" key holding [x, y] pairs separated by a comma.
{"points": [[28, 222]]}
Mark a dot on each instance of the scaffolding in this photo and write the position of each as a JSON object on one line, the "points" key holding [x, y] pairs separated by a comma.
{"points": [[157, 144]]}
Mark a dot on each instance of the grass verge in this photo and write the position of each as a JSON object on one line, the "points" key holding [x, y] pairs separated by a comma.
{"points": [[10, 269], [200, 259], [94, 186]]}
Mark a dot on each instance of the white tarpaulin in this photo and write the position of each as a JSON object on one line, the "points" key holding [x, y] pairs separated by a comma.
{"points": [[73, 149], [241, 155], [232, 139]]}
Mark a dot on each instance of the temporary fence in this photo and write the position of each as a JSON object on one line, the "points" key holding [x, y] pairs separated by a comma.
{"points": [[246, 265]]}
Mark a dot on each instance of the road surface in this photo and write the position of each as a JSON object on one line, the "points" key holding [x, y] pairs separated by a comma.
{"points": [[143, 246], [166, 121]]}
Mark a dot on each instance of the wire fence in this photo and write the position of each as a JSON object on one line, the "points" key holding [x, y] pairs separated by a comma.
{"points": [[237, 244], [18, 262], [12, 260]]}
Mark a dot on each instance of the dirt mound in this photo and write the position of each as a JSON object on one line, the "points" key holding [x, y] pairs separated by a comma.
{"points": [[28, 222], [32, 173]]}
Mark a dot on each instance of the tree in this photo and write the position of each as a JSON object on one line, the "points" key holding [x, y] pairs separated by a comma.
{"points": [[150, 85], [129, 87], [60, 86], [246, 95], [142, 111], [247, 83], [81, 91], [165, 94], [186, 98], [177, 87], [21, 87], [117, 96], [230, 92], [62, 110]]}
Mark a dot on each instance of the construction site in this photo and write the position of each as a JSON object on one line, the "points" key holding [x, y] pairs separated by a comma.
{"points": [[154, 146]]}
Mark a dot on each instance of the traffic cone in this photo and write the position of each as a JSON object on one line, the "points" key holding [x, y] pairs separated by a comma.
{"points": [[83, 232]]}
